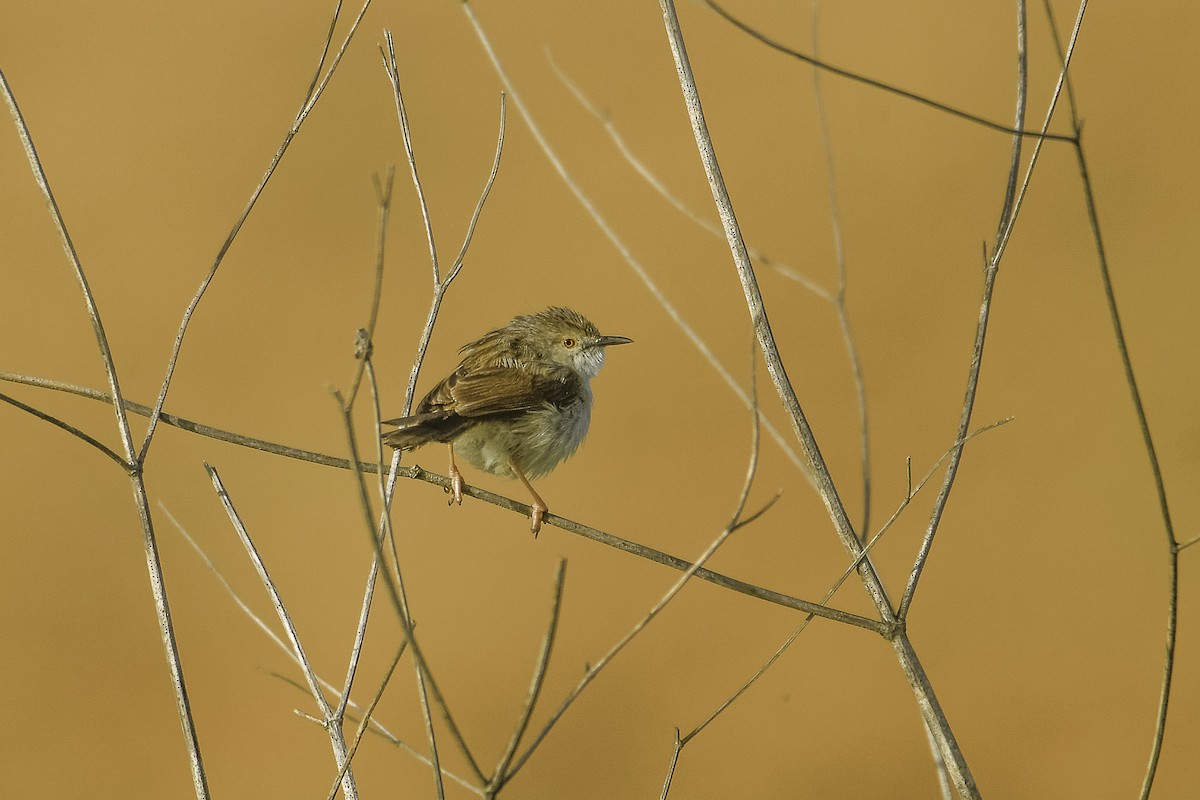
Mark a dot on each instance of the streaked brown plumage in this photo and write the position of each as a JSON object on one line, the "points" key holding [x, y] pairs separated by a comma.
{"points": [[519, 402]]}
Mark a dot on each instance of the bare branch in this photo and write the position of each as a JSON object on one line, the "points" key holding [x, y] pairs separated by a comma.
{"points": [[1014, 167], [68, 427], [487, 188], [418, 473], [393, 73], [671, 767], [190, 425], [366, 336]]}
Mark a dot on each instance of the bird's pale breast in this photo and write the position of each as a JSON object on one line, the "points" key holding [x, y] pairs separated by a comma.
{"points": [[537, 440]]}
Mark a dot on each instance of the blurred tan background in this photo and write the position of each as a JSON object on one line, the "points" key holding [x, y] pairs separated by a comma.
{"points": [[1041, 616]]}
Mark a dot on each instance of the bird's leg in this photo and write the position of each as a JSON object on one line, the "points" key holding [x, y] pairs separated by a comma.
{"points": [[456, 480], [539, 505]]}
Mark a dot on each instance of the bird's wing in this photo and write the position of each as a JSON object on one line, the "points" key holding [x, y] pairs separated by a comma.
{"points": [[501, 390]]}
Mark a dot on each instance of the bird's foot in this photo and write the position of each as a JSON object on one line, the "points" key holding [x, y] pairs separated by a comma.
{"points": [[535, 517], [456, 486]]}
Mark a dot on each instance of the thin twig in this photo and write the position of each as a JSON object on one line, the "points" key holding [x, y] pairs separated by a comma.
{"points": [[487, 189], [671, 767], [908, 498], [364, 724], [242, 605], [836, 299], [333, 21], [162, 607], [396, 590], [366, 343], [674, 562], [332, 727], [393, 74], [854, 76], [68, 427], [1139, 408], [839, 298], [1060, 84], [1014, 168], [1012, 209], [360, 629], [310, 100], [758, 312], [501, 775], [383, 192]]}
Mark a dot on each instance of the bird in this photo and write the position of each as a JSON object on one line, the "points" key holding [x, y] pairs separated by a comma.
{"points": [[519, 402]]}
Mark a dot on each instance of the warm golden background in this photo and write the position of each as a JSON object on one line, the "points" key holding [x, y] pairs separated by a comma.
{"points": [[1041, 619]]}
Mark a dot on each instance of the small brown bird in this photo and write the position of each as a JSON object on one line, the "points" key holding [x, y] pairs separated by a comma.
{"points": [[518, 404]]}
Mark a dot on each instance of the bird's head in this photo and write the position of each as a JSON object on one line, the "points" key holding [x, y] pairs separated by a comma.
{"points": [[568, 338]]}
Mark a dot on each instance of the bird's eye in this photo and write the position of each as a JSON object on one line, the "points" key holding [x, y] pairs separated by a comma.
{"points": [[568, 342]]}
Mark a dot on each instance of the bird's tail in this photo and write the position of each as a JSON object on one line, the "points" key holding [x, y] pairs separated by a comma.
{"points": [[412, 432]]}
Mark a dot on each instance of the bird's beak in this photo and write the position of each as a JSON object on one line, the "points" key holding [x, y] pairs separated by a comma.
{"points": [[606, 341]]}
